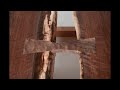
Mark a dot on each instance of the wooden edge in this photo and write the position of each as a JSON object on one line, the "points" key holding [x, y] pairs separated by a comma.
{"points": [[65, 32]]}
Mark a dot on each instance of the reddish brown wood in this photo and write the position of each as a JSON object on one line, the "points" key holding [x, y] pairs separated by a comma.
{"points": [[29, 24], [65, 32], [97, 24], [23, 24], [65, 28]]}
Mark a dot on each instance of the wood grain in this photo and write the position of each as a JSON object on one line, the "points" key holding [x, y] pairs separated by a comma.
{"points": [[44, 60], [23, 24], [65, 32], [35, 46], [97, 24]]}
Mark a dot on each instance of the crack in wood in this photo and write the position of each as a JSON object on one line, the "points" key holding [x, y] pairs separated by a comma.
{"points": [[47, 45]]}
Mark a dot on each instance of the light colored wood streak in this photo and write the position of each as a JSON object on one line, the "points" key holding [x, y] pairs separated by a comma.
{"points": [[77, 25], [78, 34], [49, 25]]}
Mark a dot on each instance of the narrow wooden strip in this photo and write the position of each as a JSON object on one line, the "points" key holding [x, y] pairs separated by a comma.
{"points": [[78, 34], [65, 28], [65, 33], [77, 25]]}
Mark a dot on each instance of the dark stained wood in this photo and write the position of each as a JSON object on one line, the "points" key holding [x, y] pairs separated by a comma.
{"points": [[97, 24]]}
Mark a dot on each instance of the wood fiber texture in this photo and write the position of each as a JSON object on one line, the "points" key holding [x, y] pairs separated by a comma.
{"points": [[23, 24], [30, 25], [83, 45], [97, 24], [38, 25]]}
